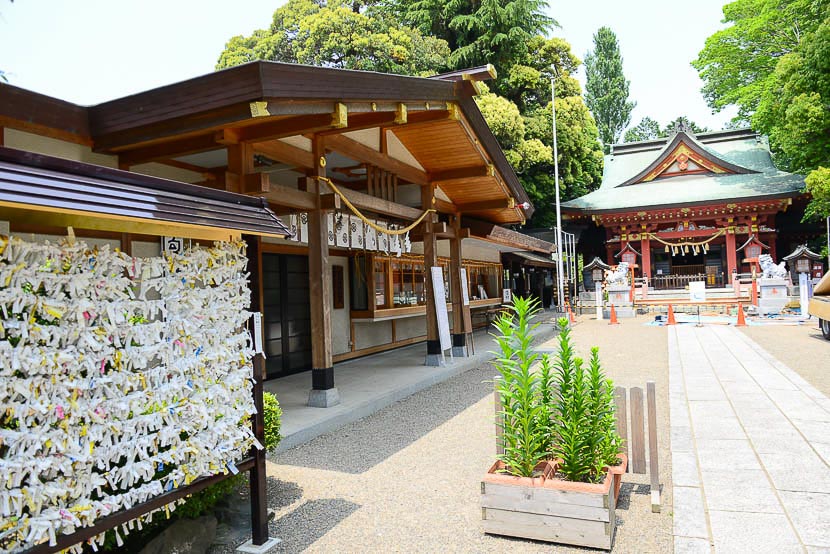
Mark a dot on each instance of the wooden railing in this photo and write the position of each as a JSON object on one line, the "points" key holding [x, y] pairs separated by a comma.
{"points": [[665, 282]]}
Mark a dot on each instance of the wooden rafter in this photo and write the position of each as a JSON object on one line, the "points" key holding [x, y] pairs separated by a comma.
{"points": [[357, 151]]}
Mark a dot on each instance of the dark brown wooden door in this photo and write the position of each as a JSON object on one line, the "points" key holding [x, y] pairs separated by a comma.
{"points": [[287, 314]]}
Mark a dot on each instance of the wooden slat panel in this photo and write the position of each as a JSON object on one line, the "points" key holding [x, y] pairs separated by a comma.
{"points": [[594, 534], [622, 417], [638, 448], [654, 469], [550, 496]]}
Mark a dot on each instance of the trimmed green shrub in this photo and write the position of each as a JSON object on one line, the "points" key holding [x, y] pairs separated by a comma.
{"points": [[273, 420]]}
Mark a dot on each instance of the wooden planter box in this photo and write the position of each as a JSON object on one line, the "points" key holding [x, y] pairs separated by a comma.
{"points": [[550, 509]]}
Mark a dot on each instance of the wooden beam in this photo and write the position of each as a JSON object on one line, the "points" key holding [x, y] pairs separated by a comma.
{"points": [[169, 149], [362, 153], [497, 204], [369, 121], [380, 206], [291, 198], [280, 151], [255, 183], [463, 173], [445, 207], [286, 127], [434, 353]]}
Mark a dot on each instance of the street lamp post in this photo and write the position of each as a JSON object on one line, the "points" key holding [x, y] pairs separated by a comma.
{"points": [[560, 278]]}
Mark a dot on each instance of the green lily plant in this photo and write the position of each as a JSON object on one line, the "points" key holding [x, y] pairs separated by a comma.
{"points": [[551, 408]]}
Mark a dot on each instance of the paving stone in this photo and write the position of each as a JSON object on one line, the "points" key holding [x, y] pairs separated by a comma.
{"points": [[797, 405], [690, 545], [726, 454], [713, 426], [818, 431], [737, 388], [681, 439], [689, 515], [766, 442], [684, 469], [805, 473], [738, 532], [810, 514], [739, 491], [823, 450]]}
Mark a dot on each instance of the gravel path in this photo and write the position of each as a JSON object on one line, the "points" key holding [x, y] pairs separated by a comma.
{"points": [[801, 347], [406, 479]]}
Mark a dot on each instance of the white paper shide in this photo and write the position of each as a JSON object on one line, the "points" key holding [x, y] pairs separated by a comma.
{"points": [[120, 379]]}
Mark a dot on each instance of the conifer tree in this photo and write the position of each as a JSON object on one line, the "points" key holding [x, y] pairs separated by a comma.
{"points": [[606, 88]]}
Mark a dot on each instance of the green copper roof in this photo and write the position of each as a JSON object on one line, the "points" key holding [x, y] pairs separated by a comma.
{"points": [[743, 148]]}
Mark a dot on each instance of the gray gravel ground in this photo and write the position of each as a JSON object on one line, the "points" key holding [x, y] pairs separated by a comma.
{"points": [[406, 479], [802, 348]]}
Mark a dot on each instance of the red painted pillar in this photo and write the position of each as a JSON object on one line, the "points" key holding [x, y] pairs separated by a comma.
{"points": [[645, 246], [731, 255]]}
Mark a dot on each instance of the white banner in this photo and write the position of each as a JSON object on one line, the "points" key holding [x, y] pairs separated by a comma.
{"points": [[440, 298]]}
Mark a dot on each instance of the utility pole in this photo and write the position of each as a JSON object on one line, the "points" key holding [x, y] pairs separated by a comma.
{"points": [[560, 284]]}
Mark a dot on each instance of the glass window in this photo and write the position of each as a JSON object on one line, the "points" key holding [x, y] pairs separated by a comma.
{"points": [[381, 269], [359, 282]]}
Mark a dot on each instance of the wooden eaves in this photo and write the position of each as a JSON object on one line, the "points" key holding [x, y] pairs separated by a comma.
{"points": [[253, 105], [52, 191]]}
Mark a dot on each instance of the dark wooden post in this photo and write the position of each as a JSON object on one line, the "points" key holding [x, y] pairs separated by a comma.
{"points": [[259, 508], [433, 357], [459, 332], [323, 393]]}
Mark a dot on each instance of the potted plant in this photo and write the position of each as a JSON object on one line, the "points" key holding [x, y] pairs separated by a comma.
{"points": [[559, 475]]}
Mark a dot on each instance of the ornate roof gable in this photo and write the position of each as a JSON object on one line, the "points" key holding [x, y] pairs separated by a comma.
{"points": [[684, 155]]}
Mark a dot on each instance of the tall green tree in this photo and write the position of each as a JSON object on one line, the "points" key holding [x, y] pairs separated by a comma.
{"points": [[341, 34], [479, 31], [606, 88], [737, 62], [794, 111]]}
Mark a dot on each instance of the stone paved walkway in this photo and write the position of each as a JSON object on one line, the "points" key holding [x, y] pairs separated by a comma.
{"points": [[750, 447]]}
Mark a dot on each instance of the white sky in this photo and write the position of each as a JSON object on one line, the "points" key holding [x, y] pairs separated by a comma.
{"points": [[90, 51]]}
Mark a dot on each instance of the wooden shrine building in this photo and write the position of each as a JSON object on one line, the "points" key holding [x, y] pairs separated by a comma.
{"points": [[347, 159], [690, 207]]}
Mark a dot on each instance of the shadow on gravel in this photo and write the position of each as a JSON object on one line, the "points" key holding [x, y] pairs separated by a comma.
{"points": [[359, 446], [626, 490], [233, 513], [309, 522]]}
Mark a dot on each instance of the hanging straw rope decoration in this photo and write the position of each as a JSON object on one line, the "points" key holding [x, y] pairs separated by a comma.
{"points": [[684, 246], [366, 220]]}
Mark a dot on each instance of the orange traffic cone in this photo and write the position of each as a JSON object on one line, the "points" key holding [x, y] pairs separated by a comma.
{"points": [[741, 318], [613, 316], [671, 320], [571, 317]]}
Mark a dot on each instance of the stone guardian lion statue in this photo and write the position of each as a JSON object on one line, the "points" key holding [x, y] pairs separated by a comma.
{"points": [[770, 269], [617, 276]]}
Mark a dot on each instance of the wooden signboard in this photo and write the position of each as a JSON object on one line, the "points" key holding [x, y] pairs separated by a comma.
{"points": [[440, 298]]}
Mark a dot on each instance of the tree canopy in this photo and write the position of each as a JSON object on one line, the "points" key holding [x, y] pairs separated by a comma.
{"points": [[341, 34], [738, 61], [606, 88], [420, 37], [649, 129], [773, 63]]}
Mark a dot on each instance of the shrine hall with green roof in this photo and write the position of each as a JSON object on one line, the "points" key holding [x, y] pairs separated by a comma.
{"points": [[690, 205]]}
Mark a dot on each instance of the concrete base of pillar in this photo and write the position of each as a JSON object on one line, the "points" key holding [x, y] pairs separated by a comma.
{"points": [[434, 360], [459, 351], [323, 398], [250, 548]]}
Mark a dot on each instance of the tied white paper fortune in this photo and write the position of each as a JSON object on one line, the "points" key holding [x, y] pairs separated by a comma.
{"points": [[120, 379]]}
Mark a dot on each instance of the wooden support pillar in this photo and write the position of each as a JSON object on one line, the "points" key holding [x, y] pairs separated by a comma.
{"points": [[240, 163], [323, 392], [259, 502], [731, 254], [434, 354], [459, 330], [645, 249]]}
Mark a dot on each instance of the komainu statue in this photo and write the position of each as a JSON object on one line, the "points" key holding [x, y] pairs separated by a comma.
{"points": [[618, 275], [770, 269]]}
